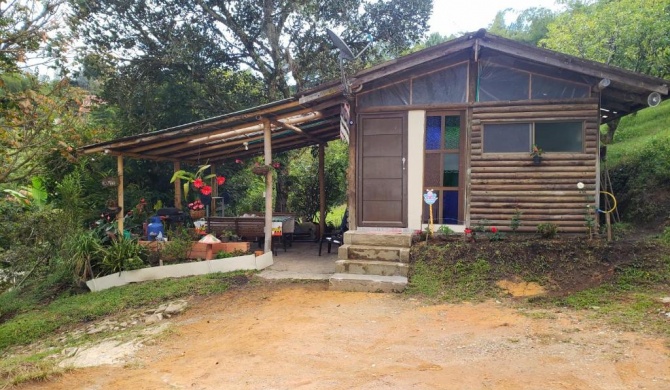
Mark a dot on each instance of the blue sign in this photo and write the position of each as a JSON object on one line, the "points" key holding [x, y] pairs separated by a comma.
{"points": [[429, 197]]}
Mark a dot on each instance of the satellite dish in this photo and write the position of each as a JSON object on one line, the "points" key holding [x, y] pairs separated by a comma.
{"points": [[345, 52], [654, 99]]}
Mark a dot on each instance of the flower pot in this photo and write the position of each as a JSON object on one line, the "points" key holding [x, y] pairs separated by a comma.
{"points": [[197, 214], [537, 160]]}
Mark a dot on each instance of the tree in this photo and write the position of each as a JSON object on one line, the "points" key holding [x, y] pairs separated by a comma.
{"points": [[40, 127], [28, 26], [631, 34], [530, 26], [271, 37]]}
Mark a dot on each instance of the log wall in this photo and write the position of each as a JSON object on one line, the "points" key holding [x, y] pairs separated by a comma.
{"points": [[501, 183]]}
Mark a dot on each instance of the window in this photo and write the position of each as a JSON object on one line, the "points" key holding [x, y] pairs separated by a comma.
{"points": [[519, 137], [507, 138], [559, 137], [444, 86], [442, 163]]}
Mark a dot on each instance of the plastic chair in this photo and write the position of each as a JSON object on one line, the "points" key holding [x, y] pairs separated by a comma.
{"points": [[337, 238]]}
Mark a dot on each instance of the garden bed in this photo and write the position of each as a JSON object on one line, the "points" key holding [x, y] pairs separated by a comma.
{"points": [[201, 250]]}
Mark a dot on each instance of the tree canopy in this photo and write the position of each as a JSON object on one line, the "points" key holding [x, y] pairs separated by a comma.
{"points": [[272, 38], [632, 34]]}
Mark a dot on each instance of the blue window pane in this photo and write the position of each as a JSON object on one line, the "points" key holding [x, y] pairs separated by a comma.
{"points": [[433, 132], [450, 207]]}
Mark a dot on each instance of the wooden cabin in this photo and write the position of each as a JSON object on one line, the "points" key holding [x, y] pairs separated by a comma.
{"points": [[460, 118]]}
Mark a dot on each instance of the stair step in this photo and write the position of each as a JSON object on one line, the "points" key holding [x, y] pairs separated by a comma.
{"points": [[367, 283], [372, 252], [371, 267], [354, 237]]}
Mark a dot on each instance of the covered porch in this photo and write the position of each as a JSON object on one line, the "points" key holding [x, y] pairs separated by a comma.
{"points": [[259, 131]]}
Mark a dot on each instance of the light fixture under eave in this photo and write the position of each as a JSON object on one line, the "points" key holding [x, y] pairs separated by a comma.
{"points": [[246, 145]]}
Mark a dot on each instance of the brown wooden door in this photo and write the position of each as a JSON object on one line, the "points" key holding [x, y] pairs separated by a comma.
{"points": [[382, 173]]}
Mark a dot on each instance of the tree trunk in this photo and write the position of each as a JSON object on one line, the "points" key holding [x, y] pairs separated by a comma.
{"points": [[611, 128]]}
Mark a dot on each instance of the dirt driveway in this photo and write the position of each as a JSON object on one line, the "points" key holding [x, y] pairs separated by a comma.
{"points": [[301, 336]]}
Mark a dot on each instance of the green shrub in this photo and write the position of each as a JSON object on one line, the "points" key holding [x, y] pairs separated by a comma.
{"points": [[446, 230], [547, 230], [123, 255]]}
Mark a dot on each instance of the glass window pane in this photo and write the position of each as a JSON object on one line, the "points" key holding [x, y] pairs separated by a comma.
{"points": [[449, 207], [559, 137], [507, 138], [450, 174], [433, 132], [497, 83], [452, 132], [550, 88], [444, 86], [432, 170], [393, 95]]}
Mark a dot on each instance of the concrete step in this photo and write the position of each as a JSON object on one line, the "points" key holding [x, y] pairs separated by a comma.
{"points": [[367, 283], [371, 267], [372, 252], [355, 237]]}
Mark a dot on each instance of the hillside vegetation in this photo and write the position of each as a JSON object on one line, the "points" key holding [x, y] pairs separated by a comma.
{"points": [[638, 162]]}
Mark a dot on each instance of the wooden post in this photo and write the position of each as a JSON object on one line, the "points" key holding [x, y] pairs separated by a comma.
{"points": [[322, 190], [215, 191], [351, 171], [177, 187], [119, 195], [267, 147], [608, 221]]}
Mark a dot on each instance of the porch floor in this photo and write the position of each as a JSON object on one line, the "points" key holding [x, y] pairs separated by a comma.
{"points": [[302, 261]]}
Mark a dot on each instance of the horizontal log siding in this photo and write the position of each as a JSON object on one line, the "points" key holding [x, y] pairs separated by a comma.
{"points": [[502, 183]]}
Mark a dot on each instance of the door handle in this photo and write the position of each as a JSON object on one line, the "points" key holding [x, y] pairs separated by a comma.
{"points": [[403, 163]]}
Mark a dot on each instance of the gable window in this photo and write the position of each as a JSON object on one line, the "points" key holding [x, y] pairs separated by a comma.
{"points": [[567, 137]]}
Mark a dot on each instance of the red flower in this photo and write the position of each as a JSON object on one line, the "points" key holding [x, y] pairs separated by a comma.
{"points": [[198, 183], [220, 180], [276, 165], [206, 190], [467, 231], [494, 229], [238, 161]]}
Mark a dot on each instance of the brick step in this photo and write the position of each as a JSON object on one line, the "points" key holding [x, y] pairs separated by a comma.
{"points": [[367, 283], [355, 237], [372, 267], [372, 252]]}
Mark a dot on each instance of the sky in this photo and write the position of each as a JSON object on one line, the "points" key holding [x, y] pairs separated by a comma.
{"points": [[460, 16]]}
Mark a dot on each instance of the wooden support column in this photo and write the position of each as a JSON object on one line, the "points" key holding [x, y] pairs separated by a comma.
{"points": [[322, 190], [215, 191], [119, 196], [177, 187], [267, 146], [351, 172]]}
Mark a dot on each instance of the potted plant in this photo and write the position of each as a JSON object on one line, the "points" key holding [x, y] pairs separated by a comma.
{"points": [[196, 209], [536, 154]]}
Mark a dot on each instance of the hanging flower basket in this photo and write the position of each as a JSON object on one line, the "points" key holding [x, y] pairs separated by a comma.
{"points": [[197, 214], [261, 170]]}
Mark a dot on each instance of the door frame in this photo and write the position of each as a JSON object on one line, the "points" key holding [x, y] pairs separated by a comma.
{"points": [[359, 168]]}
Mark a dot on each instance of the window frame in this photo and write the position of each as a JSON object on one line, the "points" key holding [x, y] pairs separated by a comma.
{"points": [[532, 124]]}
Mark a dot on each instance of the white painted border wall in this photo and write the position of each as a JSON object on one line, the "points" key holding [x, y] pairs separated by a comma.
{"points": [[248, 262]]}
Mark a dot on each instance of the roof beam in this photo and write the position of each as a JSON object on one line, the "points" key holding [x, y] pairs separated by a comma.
{"points": [[295, 129]]}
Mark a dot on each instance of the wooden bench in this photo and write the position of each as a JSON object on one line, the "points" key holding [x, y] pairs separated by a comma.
{"points": [[250, 228]]}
